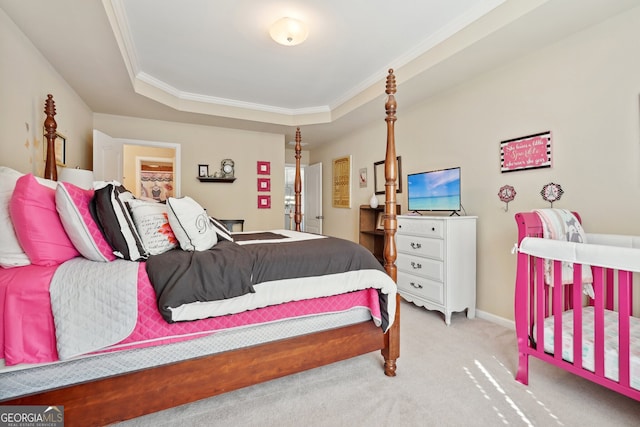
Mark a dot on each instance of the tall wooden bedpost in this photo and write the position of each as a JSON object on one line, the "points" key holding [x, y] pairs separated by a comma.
{"points": [[298, 183], [392, 339], [50, 126]]}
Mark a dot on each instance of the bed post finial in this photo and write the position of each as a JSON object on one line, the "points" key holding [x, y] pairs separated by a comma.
{"points": [[298, 182], [50, 126]]}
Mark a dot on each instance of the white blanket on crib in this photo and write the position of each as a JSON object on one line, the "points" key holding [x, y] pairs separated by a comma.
{"points": [[588, 351]]}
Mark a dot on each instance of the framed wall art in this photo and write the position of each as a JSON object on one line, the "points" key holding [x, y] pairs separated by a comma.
{"points": [[362, 177], [527, 152], [380, 221], [264, 184], [60, 148], [264, 202], [154, 178], [264, 168], [341, 183], [379, 179]]}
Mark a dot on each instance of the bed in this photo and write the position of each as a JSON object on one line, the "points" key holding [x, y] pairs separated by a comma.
{"points": [[233, 351], [574, 300]]}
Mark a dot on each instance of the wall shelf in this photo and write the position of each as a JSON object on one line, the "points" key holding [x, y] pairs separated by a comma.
{"points": [[211, 179]]}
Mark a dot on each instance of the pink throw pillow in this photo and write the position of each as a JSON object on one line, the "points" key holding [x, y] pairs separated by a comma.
{"points": [[37, 224]]}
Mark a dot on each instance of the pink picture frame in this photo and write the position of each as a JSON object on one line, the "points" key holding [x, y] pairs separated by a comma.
{"points": [[264, 184], [264, 202], [264, 168], [527, 152]]}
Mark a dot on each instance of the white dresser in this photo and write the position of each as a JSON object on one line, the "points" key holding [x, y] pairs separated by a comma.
{"points": [[437, 262]]}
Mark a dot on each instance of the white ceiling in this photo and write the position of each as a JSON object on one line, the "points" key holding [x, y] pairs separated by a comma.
{"points": [[212, 62]]}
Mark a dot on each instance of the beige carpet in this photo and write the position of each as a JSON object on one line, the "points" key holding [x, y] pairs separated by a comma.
{"points": [[461, 375]]}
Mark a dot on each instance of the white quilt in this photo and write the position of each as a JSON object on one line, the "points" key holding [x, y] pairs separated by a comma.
{"points": [[94, 304], [588, 333]]}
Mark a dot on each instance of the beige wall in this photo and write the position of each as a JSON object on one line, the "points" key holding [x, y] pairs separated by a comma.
{"points": [[25, 80], [584, 89], [210, 145]]}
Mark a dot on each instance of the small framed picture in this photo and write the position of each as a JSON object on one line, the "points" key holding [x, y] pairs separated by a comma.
{"points": [[264, 202], [264, 184], [60, 149], [264, 168], [362, 173], [379, 180], [203, 171], [380, 221]]}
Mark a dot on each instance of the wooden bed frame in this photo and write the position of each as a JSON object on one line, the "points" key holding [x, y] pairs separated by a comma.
{"points": [[121, 397]]}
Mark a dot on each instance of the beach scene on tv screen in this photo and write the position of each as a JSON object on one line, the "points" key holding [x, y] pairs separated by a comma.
{"points": [[436, 190]]}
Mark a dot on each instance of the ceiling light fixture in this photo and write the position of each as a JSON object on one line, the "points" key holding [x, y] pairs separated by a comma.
{"points": [[289, 31]]}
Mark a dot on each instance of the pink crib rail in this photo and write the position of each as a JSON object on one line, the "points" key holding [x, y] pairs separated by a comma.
{"points": [[536, 301]]}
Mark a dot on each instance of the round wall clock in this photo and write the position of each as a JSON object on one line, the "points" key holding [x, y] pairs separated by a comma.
{"points": [[227, 168], [551, 192]]}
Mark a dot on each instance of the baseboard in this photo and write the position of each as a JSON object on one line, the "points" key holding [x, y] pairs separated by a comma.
{"points": [[496, 319]]}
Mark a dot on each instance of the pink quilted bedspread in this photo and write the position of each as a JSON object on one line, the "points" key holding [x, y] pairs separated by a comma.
{"points": [[27, 332]]}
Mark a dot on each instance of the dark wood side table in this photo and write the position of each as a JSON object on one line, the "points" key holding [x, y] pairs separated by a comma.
{"points": [[230, 223]]}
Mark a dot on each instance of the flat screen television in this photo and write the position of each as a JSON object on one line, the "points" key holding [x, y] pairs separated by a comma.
{"points": [[437, 190]]}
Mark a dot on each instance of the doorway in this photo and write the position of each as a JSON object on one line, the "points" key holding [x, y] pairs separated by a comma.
{"points": [[311, 197], [122, 160], [290, 195]]}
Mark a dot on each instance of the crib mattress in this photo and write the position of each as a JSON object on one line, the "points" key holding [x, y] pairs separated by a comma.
{"points": [[588, 333]]}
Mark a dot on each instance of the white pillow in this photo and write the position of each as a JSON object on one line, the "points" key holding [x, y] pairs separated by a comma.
{"points": [[74, 208], [11, 253], [153, 226], [190, 223]]}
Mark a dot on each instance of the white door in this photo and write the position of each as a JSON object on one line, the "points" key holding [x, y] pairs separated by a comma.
{"points": [[313, 198], [107, 157]]}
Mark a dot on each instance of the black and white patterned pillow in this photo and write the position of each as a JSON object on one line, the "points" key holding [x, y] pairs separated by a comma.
{"points": [[111, 213], [220, 229]]}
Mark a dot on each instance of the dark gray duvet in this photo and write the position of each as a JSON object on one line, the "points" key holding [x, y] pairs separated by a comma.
{"points": [[229, 270]]}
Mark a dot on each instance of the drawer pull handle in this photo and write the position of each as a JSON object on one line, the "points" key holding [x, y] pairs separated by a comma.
{"points": [[418, 286], [416, 245], [433, 229], [416, 265]]}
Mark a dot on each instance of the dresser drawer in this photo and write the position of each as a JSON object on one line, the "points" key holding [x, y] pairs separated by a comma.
{"points": [[420, 266], [421, 287], [423, 227], [420, 246]]}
